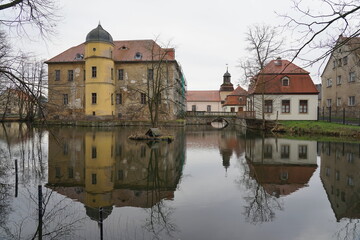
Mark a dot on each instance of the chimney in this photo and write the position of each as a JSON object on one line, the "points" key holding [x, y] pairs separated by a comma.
{"points": [[278, 62], [170, 52]]}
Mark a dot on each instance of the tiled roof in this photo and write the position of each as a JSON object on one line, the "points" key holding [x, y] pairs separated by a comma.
{"points": [[203, 96], [282, 66], [234, 101], [239, 91], [233, 98], [268, 177], [123, 51], [300, 81]]}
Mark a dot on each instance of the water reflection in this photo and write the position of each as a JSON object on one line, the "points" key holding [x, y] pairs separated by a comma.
{"points": [[98, 177], [103, 169], [276, 168], [340, 164]]}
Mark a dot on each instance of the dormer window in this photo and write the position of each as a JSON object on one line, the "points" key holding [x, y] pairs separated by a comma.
{"points": [[285, 81], [138, 55]]}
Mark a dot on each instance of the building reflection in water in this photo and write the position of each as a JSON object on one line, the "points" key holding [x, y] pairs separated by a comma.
{"points": [[229, 141], [275, 168], [281, 166], [340, 175], [102, 169]]}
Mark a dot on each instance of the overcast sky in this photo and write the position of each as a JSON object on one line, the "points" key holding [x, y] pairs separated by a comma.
{"points": [[207, 35]]}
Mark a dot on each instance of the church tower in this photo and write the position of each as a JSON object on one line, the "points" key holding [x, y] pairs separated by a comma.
{"points": [[99, 74], [227, 87]]}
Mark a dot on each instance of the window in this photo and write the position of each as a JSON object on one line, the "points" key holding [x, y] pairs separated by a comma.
{"points": [[118, 98], [193, 108], [350, 181], [150, 74], [268, 106], [285, 81], [302, 151], [338, 80], [285, 151], [351, 101], [337, 175], [66, 99], [143, 98], [93, 72], [338, 102], [267, 151], [352, 76], [208, 108], [57, 75], [350, 157], [118, 150], [340, 62], [93, 98], [93, 178], [120, 74], [345, 60], [84, 75], [112, 74], [70, 173], [138, 55], [112, 99], [232, 109], [303, 106], [120, 175], [70, 75], [334, 64], [93, 152], [328, 102], [329, 82], [57, 172], [285, 106]]}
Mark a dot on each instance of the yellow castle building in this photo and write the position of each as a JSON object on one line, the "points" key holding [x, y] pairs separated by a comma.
{"points": [[107, 79]]}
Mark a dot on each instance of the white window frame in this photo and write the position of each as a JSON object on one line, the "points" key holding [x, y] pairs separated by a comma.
{"points": [[351, 101]]}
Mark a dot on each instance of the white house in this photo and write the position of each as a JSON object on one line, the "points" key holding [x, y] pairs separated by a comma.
{"points": [[287, 90]]}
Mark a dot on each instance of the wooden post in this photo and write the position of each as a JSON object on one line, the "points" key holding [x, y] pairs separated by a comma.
{"points": [[101, 223], [40, 211], [343, 115], [330, 114], [16, 178]]}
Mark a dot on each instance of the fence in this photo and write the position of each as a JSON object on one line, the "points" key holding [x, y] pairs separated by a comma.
{"points": [[244, 114], [343, 115]]}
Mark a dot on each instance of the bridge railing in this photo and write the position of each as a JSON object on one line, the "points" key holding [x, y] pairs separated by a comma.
{"points": [[204, 113], [245, 114]]}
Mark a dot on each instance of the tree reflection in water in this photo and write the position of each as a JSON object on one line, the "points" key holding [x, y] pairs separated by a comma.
{"points": [[159, 219], [275, 168], [19, 211]]}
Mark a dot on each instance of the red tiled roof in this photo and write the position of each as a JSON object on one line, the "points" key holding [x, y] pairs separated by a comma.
{"points": [[203, 96], [239, 91], [300, 81], [269, 177], [233, 98], [123, 51], [235, 101]]}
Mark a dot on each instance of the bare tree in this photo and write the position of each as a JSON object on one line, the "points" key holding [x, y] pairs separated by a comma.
{"points": [[318, 28], [160, 88], [21, 13], [263, 45]]}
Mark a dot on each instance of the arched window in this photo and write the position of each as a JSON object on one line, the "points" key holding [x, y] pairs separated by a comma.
{"points": [[285, 81]]}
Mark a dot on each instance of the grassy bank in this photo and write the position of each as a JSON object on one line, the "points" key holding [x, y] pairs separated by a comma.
{"points": [[319, 128]]}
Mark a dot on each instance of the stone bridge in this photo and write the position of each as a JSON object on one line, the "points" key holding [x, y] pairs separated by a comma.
{"points": [[205, 118]]}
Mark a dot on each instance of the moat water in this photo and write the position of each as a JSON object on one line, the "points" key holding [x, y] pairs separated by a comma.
{"points": [[207, 184]]}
